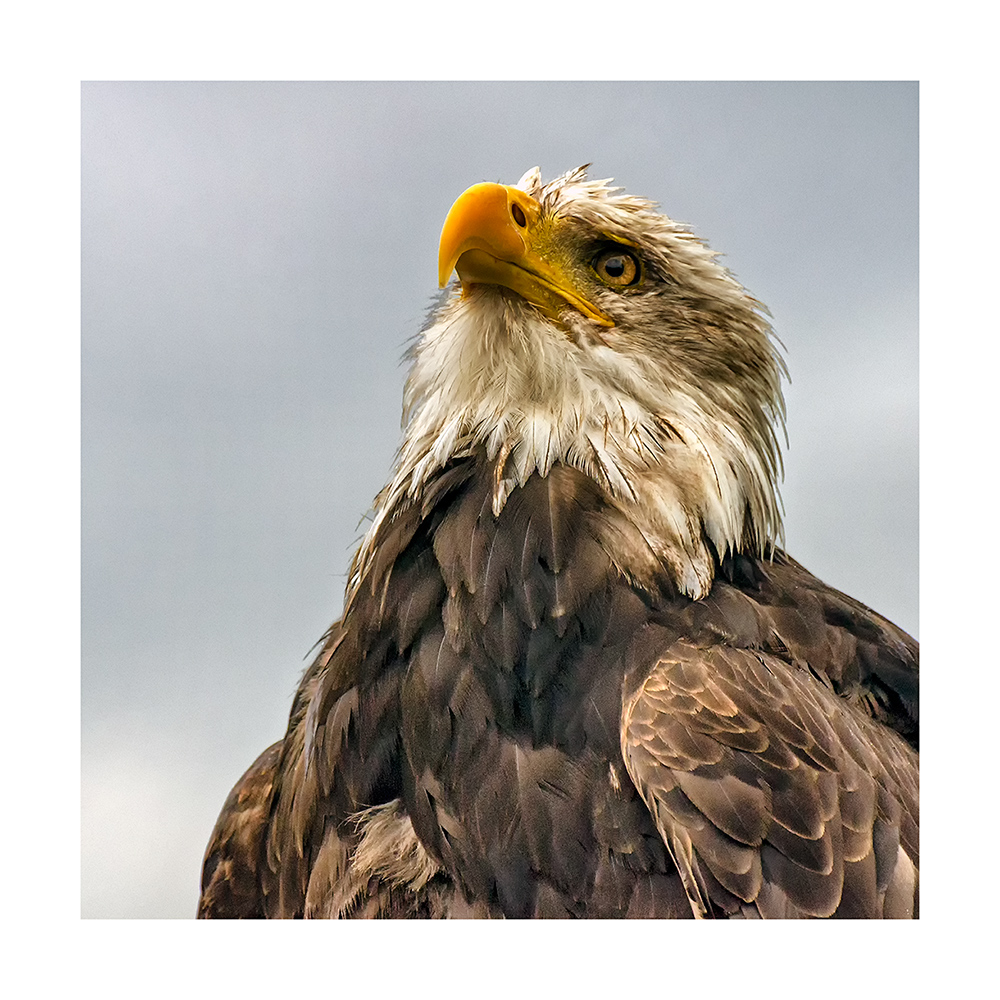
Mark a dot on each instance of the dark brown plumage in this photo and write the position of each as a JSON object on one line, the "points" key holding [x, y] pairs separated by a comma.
{"points": [[531, 708]]}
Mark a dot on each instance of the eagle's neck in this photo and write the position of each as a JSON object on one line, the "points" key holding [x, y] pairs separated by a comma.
{"points": [[493, 375]]}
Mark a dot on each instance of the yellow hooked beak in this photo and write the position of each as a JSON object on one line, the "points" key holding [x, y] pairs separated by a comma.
{"points": [[487, 238]]}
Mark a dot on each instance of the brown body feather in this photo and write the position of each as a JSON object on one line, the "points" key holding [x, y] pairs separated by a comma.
{"points": [[550, 739]]}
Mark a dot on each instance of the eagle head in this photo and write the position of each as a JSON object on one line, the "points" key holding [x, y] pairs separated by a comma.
{"points": [[586, 328]]}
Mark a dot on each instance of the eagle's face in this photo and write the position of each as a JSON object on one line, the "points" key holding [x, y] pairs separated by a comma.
{"points": [[589, 329], [611, 271]]}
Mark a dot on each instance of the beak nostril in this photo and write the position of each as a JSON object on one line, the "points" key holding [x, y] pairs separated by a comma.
{"points": [[518, 214]]}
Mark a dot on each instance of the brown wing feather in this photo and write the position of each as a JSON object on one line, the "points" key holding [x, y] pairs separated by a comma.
{"points": [[231, 883], [775, 795]]}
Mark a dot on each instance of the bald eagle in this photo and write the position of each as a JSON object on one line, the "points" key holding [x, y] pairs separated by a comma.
{"points": [[575, 673]]}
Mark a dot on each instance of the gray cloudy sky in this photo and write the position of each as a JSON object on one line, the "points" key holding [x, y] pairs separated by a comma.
{"points": [[255, 259]]}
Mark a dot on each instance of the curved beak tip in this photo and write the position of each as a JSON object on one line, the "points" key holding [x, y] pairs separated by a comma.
{"points": [[444, 272]]}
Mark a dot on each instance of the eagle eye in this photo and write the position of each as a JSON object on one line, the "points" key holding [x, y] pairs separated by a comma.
{"points": [[617, 267]]}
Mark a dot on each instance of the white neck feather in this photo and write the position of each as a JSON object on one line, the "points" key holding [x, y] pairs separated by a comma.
{"points": [[492, 372]]}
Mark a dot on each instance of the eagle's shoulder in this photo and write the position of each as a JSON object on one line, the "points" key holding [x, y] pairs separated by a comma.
{"points": [[234, 866], [864, 657], [771, 729]]}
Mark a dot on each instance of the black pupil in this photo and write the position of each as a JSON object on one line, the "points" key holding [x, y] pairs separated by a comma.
{"points": [[615, 266]]}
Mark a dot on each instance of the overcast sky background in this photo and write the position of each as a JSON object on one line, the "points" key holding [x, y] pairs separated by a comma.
{"points": [[255, 259]]}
